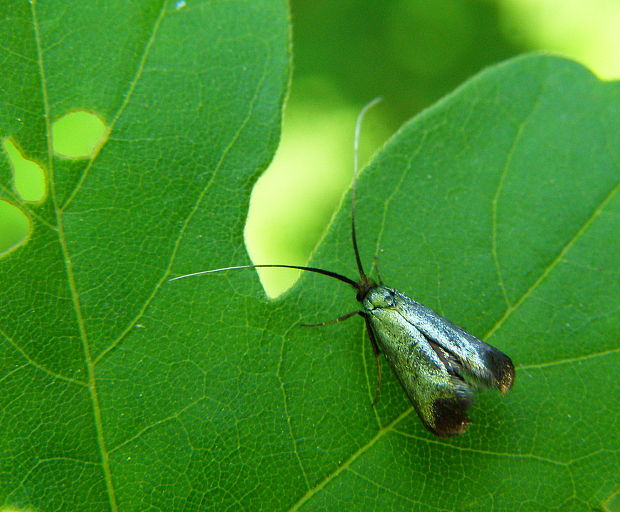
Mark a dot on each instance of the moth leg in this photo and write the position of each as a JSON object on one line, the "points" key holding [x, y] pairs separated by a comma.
{"points": [[339, 319], [375, 349]]}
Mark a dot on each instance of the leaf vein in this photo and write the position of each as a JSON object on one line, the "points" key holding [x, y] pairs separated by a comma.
{"points": [[569, 360], [498, 190], [186, 222], [560, 256], [69, 270], [484, 452], [90, 363], [128, 95], [286, 411], [388, 490], [151, 426], [347, 463], [39, 366]]}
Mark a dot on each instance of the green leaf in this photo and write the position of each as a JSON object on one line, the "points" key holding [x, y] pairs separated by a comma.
{"points": [[498, 207], [91, 357]]}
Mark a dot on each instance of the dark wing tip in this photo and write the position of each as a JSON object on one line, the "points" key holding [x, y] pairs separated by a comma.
{"points": [[450, 417], [503, 370], [507, 377]]}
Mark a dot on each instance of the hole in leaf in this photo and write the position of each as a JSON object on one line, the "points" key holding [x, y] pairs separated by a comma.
{"points": [[294, 200], [78, 134], [15, 227], [28, 176]]}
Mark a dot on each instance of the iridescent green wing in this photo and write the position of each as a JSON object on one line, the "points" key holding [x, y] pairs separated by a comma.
{"points": [[478, 361], [428, 374], [440, 398]]}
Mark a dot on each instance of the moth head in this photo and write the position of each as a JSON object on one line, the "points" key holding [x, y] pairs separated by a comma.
{"points": [[379, 297]]}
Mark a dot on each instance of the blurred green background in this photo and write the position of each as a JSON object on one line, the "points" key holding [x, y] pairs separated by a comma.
{"points": [[410, 52]]}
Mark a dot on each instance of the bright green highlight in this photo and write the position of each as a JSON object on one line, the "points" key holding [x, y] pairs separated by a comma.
{"points": [[28, 176], [588, 31], [275, 226], [294, 200], [78, 134], [14, 227]]}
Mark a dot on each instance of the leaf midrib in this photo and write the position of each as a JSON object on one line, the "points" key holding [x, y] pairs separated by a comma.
{"points": [[59, 210], [91, 362]]}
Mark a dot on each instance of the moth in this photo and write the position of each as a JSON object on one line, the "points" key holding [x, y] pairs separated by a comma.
{"points": [[438, 364]]}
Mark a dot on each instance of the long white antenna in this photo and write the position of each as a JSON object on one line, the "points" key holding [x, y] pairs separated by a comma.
{"points": [[364, 280], [358, 128], [356, 143], [328, 273]]}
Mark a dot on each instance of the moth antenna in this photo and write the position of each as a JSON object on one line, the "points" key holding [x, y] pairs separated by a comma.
{"points": [[327, 273], [356, 140]]}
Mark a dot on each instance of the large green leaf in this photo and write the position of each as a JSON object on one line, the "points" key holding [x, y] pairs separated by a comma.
{"points": [[191, 92], [498, 207]]}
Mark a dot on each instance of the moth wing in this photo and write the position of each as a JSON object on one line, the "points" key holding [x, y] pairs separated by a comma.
{"points": [[486, 364], [440, 398]]}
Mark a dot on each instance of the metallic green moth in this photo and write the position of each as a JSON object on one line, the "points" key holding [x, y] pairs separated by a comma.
{"points": [[438, 364]]}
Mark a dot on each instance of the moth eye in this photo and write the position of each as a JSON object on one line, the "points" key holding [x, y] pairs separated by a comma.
{"points": [[388, 300]]}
